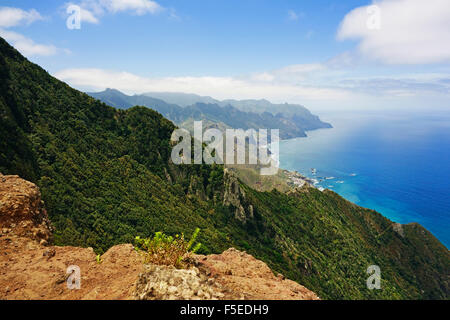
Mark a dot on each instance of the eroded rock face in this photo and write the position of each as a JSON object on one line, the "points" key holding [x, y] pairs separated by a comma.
{"points": [[22, 212], [397, 227], [244, 277], [169, 283], [232, 275], [196, 188], [234, 196]]}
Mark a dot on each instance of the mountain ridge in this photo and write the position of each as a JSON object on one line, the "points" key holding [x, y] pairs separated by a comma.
{"points": [[221, 115]]}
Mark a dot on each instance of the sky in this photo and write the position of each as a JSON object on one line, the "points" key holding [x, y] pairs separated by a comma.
{"points": [[325, 54]]}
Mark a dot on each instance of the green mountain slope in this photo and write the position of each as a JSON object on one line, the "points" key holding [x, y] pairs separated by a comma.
{"points": [[105, 177], [222, 116]]}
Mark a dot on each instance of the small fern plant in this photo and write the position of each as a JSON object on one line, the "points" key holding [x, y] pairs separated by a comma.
{"points": [[167, 250]]}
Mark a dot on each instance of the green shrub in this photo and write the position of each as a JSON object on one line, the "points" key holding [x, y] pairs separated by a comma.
{"points": [[167, 250], [98, 259]]}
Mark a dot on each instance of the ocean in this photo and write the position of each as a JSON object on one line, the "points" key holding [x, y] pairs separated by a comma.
{"points": [[397, 164]]}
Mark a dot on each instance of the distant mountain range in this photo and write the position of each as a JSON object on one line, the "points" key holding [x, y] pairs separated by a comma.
{"points": [[183, 109], [250, 105]]}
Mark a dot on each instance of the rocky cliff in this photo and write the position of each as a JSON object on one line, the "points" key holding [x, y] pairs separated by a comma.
{"points": [[31, 268], [235, 197], [21, 210]]}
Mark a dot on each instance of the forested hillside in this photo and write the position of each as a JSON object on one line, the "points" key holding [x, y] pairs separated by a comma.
{"points": [[105, 177]]}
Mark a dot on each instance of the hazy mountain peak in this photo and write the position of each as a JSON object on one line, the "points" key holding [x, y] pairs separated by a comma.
{"points": [[184, 108]]}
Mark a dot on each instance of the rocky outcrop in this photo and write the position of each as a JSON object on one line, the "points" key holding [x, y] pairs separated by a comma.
{"points": [[234, 196], [32, 269], [397, 227], [22, 211], [232, 275], [196, 188], [169, 283], [242, 276]]}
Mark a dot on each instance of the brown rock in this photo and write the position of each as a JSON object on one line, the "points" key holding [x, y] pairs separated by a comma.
{"points": [[31, 269], [243, 276], [21, 210], [169, 283]]}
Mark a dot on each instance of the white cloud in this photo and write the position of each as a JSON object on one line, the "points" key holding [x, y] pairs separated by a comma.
{"points": [[411, 31], [246, 87], [401, 86], [343, 60], [317, 85], [139, 7], [12, 17], [93, 10], [27, 46], [298, 74], [299, 70], [88, 16]]}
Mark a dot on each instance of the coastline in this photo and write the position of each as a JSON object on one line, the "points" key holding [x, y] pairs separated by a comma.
{"points": [[364, 159]]}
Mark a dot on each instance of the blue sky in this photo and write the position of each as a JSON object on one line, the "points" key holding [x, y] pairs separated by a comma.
{"points": [[318, 53]]}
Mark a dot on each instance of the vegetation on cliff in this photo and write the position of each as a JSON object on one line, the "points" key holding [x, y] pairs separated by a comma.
{"points": [[105, 177]]}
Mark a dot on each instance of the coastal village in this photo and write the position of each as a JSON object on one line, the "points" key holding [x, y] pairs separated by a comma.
{"points": [[296, 179]]}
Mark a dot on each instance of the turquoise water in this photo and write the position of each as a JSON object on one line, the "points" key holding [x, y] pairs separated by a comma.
{"points": [[397, 164]]}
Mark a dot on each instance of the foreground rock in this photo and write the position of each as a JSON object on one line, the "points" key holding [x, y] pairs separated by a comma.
{"points": [[21, 210], [232, 275], [169, 283], [30, 268], [31, 271], [245, 277]]}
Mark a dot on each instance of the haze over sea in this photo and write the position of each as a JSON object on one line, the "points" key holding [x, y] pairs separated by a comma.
{"points": [[395, 163]]}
